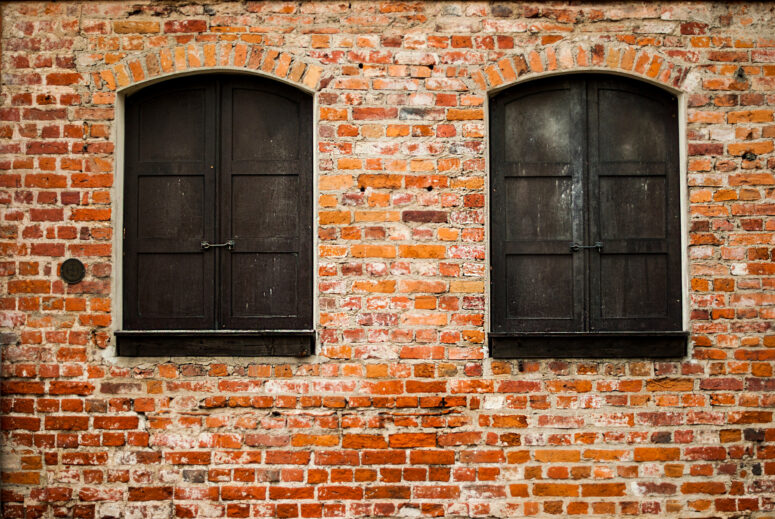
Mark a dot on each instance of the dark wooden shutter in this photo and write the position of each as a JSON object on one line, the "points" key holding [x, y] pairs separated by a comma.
{"points": [[635, 280], [218, 158], [536, 186], [169, 206], [266, 201], [585, 160]]}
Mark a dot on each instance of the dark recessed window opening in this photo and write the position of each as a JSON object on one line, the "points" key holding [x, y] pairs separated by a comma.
{"points": [[585, 220], [217, 238]]}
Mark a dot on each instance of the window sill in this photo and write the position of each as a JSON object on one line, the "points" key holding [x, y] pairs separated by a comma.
{"points": [[602, 345], [215, 343]]}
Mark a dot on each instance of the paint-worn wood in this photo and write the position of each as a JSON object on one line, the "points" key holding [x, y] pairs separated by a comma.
{"points": [[266, 201], [215, 344], [634, 189], [218, 158], [589, 345], [169, 206], [585, 160], [537, 167]]}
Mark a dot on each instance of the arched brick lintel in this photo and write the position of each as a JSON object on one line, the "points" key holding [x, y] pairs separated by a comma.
{"points": [[632, 61], [136, 71]]}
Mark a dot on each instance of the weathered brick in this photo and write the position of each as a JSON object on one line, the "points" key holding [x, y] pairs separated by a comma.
{"points": [[556, 489], [135, 26]]}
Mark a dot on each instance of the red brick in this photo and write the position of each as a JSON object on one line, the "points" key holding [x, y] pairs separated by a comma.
{"points": [[388, 492], [705, 487], [150, 493], [68, 423], [10, 423], [336, 493], [411, 440], [84, 458], [556, 489], [135, 26], [603, 490], [188, 458], [116, 422], [431, 457], [230, 493], [62, 387], [656, 454], [374, 113], [363, 441], [21, 387], [188, 25]]}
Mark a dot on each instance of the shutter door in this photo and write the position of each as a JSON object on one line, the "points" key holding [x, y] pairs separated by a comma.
{"points": [[266, 206], [635, 280], [536, 194], [168, 282]]}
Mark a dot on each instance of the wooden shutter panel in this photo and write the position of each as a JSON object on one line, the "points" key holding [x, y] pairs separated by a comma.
{"points": [[168, 281], [537, 199], [266, 206], [635, 280]]}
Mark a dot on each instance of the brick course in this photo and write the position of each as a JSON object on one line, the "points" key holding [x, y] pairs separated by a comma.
{"points": [[401, 412]]}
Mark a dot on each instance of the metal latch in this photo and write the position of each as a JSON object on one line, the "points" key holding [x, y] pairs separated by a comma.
{"points": [[206, 244], [575, 247]]}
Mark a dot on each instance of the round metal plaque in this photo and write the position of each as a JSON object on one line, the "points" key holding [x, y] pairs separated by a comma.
{"points": [[72, 271]]}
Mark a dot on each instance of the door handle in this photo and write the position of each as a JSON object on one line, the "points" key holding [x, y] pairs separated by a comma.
{"points": [[206, 244], [575, 247]]}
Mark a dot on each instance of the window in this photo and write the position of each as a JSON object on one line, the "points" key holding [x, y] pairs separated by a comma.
{"points": [[217, 219], [585, 220]]}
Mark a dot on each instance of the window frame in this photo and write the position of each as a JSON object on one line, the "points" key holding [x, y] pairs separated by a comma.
{"points": [[294, 342], [548, 344]]}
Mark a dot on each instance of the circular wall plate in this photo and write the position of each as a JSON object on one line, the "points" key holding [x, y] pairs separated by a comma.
{"points": [[72, 271]]}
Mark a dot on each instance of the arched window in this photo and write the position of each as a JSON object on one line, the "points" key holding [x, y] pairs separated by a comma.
{"points": [[585, 219], [217, 238]]}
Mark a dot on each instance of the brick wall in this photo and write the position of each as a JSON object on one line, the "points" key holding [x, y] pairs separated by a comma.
{"points": [[401, 412]]}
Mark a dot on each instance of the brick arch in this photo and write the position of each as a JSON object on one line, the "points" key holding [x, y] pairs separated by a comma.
{"points": [[633, 61], [136, 70]]}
